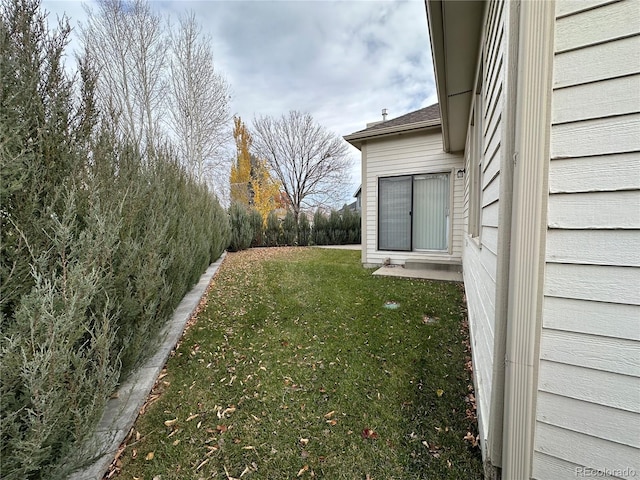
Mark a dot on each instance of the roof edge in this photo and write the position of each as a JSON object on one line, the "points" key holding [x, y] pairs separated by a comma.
{"points": [[435, 25], [359, 137]]}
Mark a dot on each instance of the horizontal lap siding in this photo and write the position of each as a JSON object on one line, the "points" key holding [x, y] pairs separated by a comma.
{"points": [[613, 390], [600, 247], [599, 173], [595, 318], [607, 354], [590, 451], [596, 98], [480, 293], [480, 254], [409, 154], [589, 380], [597, 63], [589, 418], [546, 467]]}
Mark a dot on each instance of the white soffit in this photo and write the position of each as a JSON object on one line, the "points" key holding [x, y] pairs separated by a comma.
{"points": [[454, 28]]}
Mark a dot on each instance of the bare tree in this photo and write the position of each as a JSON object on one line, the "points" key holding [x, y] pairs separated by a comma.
{"points": [[199, 101], [126, 41], [310, 162]]}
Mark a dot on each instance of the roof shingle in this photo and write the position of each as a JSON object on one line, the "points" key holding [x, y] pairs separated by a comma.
{"points": [[432, 112]]}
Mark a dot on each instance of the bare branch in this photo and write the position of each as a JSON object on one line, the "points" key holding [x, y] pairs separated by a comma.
{"points": [[127, 42], [310, 162], [199, 100]]}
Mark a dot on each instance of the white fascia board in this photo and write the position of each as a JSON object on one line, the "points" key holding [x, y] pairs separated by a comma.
{"points": [[435, 21], [357, 138]]}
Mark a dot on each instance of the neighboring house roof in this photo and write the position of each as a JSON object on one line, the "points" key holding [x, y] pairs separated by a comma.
{"points": [[351, 206], [423, 118]]}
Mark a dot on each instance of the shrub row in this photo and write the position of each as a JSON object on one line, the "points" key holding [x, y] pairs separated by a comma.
{"points": [[338, 228], [99, 243]]}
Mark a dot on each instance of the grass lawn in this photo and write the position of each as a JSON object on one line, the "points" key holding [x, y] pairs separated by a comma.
{"points": [[296, 369]]}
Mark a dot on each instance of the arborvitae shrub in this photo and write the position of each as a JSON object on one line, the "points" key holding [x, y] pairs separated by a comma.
{"points": [[350, 226], [335, 232], [289, 230], [256, 221], [37, 151], [220, 230], [272, 230], [304, 230], [59, 365], [319, 232], [99, 243], [241, 230], [339, 228]]}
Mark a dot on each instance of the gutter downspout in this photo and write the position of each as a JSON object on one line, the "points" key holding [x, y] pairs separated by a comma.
{"points": [[528, 234], [364, 200]]}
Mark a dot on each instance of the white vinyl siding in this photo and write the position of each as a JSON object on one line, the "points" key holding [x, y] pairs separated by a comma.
{"points": [[588, 405], [409, 154], [481, 241]]}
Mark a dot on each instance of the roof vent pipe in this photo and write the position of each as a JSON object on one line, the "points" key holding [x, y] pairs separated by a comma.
{"points": [[384, 114]]}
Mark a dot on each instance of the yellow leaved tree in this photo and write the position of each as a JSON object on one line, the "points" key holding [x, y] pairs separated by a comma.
{"points": [[240, 178], [266, 190], [251, 183]]}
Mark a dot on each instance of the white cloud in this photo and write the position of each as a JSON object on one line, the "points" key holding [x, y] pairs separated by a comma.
{"points": [[341, 61]]}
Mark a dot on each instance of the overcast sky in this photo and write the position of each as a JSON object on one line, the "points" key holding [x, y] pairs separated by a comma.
{"points": [[341, 61]]}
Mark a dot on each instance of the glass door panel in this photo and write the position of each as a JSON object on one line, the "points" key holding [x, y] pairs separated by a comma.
{"points": [[431, 212], [394, 215]]}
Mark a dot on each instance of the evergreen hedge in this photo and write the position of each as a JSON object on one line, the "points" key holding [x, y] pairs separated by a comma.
{"points": [[304, 231], [339, 228], [99, 243], [255, 218], [289, 231], [272, 230], [242, 232]]}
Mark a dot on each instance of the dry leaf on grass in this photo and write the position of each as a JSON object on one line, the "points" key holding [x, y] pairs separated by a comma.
{"points": [[202, 464], [469, 437], [370, 434]]}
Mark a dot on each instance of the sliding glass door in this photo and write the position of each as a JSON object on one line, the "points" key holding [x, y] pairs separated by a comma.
{"points": [[413, 212]]}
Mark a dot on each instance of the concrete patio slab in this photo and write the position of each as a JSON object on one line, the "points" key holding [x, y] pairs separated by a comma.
{"points": [[341, 247], [423, 273]]}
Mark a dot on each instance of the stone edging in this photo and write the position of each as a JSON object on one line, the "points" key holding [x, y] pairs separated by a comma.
{"points": [[122, 410]]}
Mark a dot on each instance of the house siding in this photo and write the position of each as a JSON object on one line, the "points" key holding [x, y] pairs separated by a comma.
{"points": [[588, 402], [480, 254], [408, 154]]}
